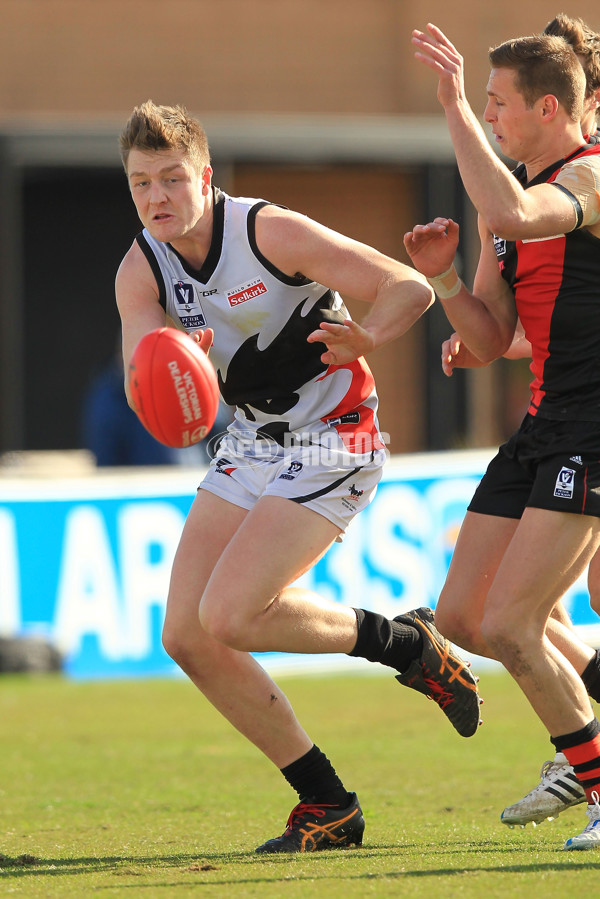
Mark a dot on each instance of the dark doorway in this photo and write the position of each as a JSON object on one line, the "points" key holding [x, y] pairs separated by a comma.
{"points": [[77, 226]]}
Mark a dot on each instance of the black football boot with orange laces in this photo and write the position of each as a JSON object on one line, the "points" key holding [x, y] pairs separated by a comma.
{"points": [[314, 826], [442, 675]]}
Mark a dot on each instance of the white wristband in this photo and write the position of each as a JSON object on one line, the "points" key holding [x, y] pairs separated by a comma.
{"points": [[447, 284]]}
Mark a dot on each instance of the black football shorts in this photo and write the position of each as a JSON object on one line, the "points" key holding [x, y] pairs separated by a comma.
{"points": [[546, 464]]}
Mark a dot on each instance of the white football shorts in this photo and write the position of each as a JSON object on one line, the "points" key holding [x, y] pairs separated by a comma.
{"points": [[323, 476]]}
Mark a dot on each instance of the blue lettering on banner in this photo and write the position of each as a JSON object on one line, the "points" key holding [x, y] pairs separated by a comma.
{"points": [[90, 570]]}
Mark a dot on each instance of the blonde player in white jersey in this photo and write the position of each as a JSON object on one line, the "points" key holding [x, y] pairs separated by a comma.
{"points": [[260, 284]]}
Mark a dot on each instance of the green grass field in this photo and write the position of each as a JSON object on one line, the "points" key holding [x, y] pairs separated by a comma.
{"points": [[139, 788]]}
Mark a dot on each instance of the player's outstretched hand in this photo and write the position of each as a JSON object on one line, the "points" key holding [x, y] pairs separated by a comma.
{"points": [[204, 339], [456, 355], [436, 51], [432, 247], [345, 342]]}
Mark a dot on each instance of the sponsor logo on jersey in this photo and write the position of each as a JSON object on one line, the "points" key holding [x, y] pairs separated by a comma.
{"points": [[246, 292], [499, 245], [293, 469], [355, 494], [224, 466], [577, 459], [188, 307], [191, 322], [348, 418], [565, 483], [351, 500]]}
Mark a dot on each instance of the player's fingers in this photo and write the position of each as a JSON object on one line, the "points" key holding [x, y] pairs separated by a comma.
{"points": [[433, 52], [318, 336], [204, 339], [329, 332], [441, 38]]}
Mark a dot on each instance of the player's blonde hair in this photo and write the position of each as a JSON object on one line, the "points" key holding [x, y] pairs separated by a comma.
{"points": [[151, 127]]}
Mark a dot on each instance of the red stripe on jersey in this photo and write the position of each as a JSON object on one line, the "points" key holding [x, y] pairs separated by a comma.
{"points": [[363, 435], [538, 279]]}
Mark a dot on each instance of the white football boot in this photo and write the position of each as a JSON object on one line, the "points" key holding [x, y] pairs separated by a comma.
{"points": [[557, 790], [589, 838]]}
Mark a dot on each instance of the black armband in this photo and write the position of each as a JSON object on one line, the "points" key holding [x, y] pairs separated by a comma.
{"points": [[574, 201]]}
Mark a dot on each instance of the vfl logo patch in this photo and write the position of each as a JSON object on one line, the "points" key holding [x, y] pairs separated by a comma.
{"points": [[565, 483], [185, 298], [293, 469], [184, 293], [499, 246], [246, 292]]}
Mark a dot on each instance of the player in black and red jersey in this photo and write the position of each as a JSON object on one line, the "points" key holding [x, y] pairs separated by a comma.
{"points": [[558, 788], [534, 522]]}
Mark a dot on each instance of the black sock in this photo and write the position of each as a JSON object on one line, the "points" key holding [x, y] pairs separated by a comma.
{"points": [[591, 677], [313, 776], [393, 643]]}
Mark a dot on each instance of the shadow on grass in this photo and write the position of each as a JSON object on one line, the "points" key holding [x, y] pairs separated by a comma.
{"points": [[211, 863]]}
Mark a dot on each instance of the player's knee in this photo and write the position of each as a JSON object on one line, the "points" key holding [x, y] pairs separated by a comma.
{"points": [[223, 625], [457, 626], [177, 644], [506, 638], [195, 652]]}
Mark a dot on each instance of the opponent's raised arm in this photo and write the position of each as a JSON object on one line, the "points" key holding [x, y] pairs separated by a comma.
{"points": [[509, 211]]}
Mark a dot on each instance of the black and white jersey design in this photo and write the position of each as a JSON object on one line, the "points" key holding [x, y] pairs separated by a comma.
{"points": [[261, 319]]}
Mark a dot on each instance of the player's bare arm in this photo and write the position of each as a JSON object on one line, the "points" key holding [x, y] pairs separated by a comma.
{"points": [[399, 295], [137, 302], [485, 318], [510, 211]]}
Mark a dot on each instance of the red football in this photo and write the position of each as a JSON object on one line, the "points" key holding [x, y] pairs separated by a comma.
{"points": [[174, 387]]}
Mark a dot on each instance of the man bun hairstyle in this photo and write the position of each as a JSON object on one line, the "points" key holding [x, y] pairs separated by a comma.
{"points": [[544, 64], [585, 43], [151, 127]]}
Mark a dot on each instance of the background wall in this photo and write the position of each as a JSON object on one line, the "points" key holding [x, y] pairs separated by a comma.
{"points": [[320, 106], [89, 58]]}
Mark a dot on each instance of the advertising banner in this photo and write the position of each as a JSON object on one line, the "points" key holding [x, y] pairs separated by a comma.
{"points": [[85, 562]]}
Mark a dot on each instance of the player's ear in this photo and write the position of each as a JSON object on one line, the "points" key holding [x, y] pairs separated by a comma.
{"points": [[548, 107]]}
